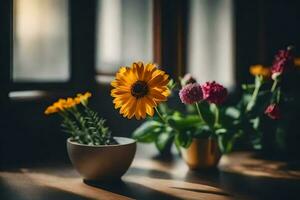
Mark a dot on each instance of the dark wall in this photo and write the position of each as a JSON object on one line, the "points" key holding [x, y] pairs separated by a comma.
{"points": [[261, 28]]}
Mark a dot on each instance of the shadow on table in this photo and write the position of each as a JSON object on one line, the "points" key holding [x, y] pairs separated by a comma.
{"points": [[260, 188], [155, 184], [150, 173], [128, 189]]}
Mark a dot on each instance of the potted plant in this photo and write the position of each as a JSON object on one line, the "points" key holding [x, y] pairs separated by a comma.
{"points": [[269, 108], [94, 153], [139, 90], [206, 143], [202, 134]]}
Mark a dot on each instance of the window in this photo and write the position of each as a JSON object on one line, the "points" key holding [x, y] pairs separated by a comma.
{"points": [[40, 40], [210, 41], [124, 33]]}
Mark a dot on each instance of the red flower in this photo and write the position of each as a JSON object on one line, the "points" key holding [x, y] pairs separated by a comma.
{"points": [[273, 111], [191, 93], [214, 92], [283, 61]]}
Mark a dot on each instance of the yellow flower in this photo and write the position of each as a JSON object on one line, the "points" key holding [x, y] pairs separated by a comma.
{"points": [[55, 107], [60, 105], [139, 89], [82, 97], [256, 70], [69, 103], [51, 109]]}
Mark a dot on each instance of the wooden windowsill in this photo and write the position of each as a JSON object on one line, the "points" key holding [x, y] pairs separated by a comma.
{"points": [[149, 177]]}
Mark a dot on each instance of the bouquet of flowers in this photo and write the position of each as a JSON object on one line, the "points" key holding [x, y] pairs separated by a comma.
{"points": [[266, 110]]}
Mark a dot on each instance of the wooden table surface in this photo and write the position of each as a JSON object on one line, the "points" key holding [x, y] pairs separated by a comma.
{"points": [[152, 178]]}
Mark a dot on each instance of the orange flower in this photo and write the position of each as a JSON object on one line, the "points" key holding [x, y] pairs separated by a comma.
{"points": [[139, 89], [260, 70], [63, 104], [297, 62], [51, 109], [69, 103], [82, 98]]}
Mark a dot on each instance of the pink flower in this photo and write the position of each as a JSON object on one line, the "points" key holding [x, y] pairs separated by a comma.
{"points": [[191, 93], [283, 61], [187, 79], [273, 111], [214, 92]]}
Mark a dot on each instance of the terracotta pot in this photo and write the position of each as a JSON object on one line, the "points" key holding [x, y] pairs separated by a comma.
{"points": [[201, 154], [103, 162]]}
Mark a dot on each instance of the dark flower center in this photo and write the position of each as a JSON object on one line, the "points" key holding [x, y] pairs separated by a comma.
{"points": [[139, 89]]}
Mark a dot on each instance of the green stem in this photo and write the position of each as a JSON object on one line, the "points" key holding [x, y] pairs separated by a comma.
{"points": [[165, 120], [278, 95], [82, 123], [199, 113], [274, 85], [69, 121], [217, 117], [160, 116], [253, 98]]}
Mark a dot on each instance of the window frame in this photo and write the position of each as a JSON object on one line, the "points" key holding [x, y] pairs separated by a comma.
{"points": [[81, 16], [82, 35]]}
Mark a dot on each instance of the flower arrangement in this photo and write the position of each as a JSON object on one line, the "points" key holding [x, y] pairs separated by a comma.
{"points": [[266, 110], [141, 89], [80, 122]]}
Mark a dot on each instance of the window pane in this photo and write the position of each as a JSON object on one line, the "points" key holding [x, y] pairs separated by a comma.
{"points": [[210, 41], [124, 33], [40, 40]]}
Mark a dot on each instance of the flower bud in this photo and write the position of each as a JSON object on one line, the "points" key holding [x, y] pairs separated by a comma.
{"points": [[187, 79], [283, 61], [273, 111]]}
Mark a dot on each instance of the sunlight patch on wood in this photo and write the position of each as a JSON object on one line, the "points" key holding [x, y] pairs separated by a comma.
{"points": [[177, 169], [67, 184], [180, 189]]}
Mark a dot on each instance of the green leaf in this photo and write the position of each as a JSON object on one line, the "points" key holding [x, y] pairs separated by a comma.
{"points": [[183, 139], [172, 84], [207, 113], [221, 144], [221, 131], [164, 138], [96, 130], [233, 112], [202, 131], [255, 123], [227, 140], [182, 123], [248, 87], [148, 131], [246, 98]]}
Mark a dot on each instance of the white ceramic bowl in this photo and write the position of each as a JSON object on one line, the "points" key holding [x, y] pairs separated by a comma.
{"points": [[103, 162]]}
